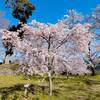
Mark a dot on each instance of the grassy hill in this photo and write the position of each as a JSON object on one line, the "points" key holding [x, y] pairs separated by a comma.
{"points": [[8, 69]]}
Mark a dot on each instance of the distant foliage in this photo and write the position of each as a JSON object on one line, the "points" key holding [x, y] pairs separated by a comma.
{"points": [[21, 9]]}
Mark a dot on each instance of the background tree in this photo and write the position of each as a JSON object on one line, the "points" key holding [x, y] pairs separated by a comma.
{"points": [[93, 45], [21, 10]]}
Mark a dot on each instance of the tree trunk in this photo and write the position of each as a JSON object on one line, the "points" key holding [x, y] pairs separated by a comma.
{"points": [[67, 74], [92, 66], [93, 71], [6, 60], [50, 82], [26, 92]]}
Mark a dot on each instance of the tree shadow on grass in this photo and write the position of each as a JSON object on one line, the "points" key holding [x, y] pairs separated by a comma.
{"points": [[33, 89], [9, 90], [91, 82]]}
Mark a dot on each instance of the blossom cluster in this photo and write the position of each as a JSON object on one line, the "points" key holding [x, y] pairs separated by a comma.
{"points": [[44, 46]]}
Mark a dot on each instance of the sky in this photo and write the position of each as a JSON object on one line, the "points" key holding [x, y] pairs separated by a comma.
{"points": [[49, 11]]}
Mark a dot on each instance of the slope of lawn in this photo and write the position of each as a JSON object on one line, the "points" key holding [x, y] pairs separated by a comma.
{"points": [[73, 88]]}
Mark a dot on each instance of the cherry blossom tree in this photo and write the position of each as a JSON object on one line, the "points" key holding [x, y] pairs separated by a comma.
{"points": [[72, 17], [4, 23], [44, 45], [94, 20]]}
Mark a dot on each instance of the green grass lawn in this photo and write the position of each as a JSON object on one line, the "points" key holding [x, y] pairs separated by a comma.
{"points": [[73, 88]]}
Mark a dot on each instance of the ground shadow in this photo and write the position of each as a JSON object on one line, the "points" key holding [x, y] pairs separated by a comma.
{"points": [[5, 91]]}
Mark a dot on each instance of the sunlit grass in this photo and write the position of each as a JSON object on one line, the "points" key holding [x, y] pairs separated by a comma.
{"points": [[73, 88]]}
